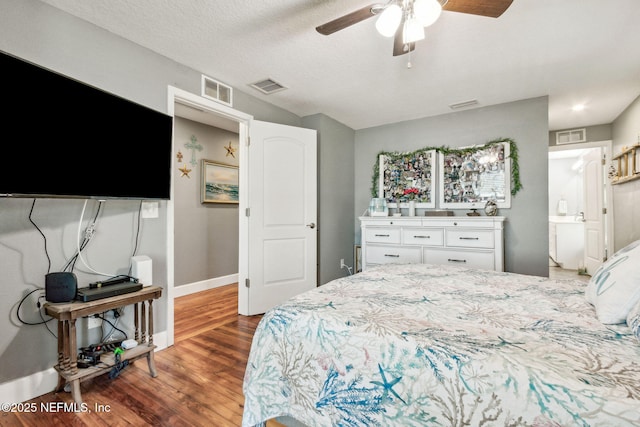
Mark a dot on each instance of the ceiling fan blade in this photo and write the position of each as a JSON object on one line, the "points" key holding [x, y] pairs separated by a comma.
{"points": [[490, 8], [399, 47], [347, 20]]}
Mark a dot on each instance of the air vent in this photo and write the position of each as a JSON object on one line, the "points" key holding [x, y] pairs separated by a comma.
{"points": [[217, 91], [464, 104], [571, 136], [268, 86]]}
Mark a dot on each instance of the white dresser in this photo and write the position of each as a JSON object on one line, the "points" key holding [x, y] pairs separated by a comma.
{"points": [[461, 240]]}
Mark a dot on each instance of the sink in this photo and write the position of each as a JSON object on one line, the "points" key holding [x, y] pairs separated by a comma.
{"points": [[566, 241]]}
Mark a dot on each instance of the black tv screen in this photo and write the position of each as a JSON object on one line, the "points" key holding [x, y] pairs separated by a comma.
{"points": [[63, 138]]}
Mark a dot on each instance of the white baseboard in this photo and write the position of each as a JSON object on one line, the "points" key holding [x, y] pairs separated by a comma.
{"points": [[26, 388], [191, 288], [160, 340], [34, 385]]}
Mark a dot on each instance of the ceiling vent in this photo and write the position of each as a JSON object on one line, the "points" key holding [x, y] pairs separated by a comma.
{"points": [[268, 86], [216, 90], [464, 104]]}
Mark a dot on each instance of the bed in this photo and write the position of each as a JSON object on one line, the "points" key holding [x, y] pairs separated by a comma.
{"points": [[420, 345]]}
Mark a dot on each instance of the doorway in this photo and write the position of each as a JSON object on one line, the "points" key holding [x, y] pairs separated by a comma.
{"points": [[271, 176], [580, 207], [206, 223], [197, 109]]}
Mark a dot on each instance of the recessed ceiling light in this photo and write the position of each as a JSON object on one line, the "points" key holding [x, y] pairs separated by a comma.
{"points": [[578, 107]]}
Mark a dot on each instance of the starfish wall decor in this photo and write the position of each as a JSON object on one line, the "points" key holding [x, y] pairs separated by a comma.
{"points": [[185, 171], [230, 150]]}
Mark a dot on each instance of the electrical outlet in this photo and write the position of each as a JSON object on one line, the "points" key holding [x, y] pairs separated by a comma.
{"points": [[93, 322], [149, 210], [342, 264]]}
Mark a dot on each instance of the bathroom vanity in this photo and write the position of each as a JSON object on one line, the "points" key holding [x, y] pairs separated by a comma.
{"points": [[566, 241]]}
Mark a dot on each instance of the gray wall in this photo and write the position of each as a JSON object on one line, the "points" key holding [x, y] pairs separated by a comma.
{"points": [[626, 196], [47, 36], [26, 349], [335, 191], [526, 122], [205, 234]]}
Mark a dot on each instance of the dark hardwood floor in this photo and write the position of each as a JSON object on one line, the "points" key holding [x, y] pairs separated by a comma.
{"points": [[199, 380]]}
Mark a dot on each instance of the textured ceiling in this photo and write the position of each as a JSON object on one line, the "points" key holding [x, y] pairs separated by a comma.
{"points": [[584, 51]]}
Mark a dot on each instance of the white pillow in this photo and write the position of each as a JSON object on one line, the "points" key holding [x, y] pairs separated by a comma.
{"points": [[615, 287], [633, 320]]}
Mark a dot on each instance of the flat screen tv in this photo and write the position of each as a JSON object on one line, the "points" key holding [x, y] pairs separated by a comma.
{"points": [[63, 138]]}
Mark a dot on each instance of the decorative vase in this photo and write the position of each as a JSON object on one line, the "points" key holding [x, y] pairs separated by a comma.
{"points": [[491, 208], [412, 208]]}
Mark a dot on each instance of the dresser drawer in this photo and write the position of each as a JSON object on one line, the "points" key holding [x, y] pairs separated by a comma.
{"points": [[457, 240], [391, 221], [472, 259], [423, 236], [393, 254], [382, 235], [460, 238]]}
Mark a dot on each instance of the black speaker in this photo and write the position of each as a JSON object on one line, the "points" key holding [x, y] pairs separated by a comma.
{"points": [[60, 287]]}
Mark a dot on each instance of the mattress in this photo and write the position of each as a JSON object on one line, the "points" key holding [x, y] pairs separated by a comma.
{"points": [[421, 344]]}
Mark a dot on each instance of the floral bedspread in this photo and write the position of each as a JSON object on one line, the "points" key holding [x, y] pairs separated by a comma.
{"points": [[422, 345]]}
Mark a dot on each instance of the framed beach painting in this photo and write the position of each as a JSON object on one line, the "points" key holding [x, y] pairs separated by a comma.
{"points": [[219, 182]]}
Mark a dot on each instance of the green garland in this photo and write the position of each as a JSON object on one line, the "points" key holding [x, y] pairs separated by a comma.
{"points": [[516, 185]]}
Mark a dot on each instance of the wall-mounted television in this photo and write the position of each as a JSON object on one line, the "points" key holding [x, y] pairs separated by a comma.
{"points": [[64, 138]]}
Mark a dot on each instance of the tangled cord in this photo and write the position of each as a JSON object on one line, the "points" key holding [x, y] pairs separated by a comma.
{"points": [[120, 365]]}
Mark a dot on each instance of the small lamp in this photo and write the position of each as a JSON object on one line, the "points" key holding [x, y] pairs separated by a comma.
{"points": [[389, 20], [427, 11]]}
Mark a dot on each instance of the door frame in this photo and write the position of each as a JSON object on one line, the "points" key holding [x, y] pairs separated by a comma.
{"points": [[208, 107], [607, 147]]}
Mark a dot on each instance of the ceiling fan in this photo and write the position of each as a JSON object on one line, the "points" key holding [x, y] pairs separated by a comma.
{"points": [[405, 19]]}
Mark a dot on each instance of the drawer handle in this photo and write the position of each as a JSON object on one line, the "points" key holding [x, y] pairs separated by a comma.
{"points": [[382, 235], [456, 260], [392, 255], [469, 238], [421, 237]]}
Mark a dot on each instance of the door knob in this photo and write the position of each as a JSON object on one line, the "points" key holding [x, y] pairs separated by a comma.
{"points": [[311, 225]]}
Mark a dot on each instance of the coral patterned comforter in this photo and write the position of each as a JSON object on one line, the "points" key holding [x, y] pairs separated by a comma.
{"points": [[421, 345]]}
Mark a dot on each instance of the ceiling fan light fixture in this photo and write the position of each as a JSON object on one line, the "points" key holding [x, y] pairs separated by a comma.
{"points": [[389, 20], [412, 31], [427, 11]]}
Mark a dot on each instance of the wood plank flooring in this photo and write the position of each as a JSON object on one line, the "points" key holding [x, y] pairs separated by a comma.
{"points": [[199, 380]]}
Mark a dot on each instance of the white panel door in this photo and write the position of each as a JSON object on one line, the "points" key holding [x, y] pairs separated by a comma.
{"points": [[282, 216], [594, 225]]}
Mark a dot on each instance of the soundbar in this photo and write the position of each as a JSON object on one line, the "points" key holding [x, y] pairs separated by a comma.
{"points": [[113, 281], [92, 294]]}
